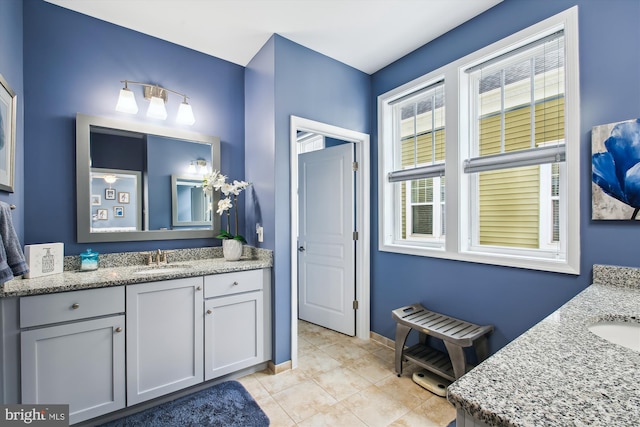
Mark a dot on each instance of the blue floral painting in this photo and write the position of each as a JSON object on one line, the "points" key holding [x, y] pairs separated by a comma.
{"points": [[615, 170]]}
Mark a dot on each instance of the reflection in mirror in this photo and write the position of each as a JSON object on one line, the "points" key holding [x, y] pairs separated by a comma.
{"points": [[140, 160], [118, 193], [191, 206]]}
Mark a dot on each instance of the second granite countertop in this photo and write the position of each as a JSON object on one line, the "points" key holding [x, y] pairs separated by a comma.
{"points": [[559, 373]]}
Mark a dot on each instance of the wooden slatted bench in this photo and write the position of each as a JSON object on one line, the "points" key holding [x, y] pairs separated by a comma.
{"points": [[456, 335]]}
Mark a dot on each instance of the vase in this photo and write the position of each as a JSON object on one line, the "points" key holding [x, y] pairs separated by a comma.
{"points": [[232, 249]]}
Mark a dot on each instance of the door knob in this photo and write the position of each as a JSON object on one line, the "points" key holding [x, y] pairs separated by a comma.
{"points": [[301, 249], [118, 329]]}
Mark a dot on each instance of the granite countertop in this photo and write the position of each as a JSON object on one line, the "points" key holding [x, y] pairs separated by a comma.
{"points": [[120, 269], [558, 373]]}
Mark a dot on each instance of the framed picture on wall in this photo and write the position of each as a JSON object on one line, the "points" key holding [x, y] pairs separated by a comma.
{"points": [[614, 177], [96, 200], [8, 105], [110, 193], [103, 214], [118, 211], [123, 197]]}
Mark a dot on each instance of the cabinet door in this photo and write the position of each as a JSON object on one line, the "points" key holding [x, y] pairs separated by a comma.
{"points": [[80, 364], [164, 337], [234, 335]]}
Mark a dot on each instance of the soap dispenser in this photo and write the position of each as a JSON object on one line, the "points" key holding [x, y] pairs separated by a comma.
{"points": [[88, 260]]}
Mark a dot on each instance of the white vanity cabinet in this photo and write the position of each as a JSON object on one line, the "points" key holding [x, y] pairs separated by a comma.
{"points": [[73, 351], [164, 337], [103, 349], [236, 322]]}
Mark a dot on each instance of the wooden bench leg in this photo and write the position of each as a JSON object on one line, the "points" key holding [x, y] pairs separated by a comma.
{"points": [[458, 360], [481, 348], [402, 332]]}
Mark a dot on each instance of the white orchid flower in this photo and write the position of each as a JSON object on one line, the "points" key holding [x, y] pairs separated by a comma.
{"points": [[240, 185], [227, 189], [224, 205], [213, 181]]}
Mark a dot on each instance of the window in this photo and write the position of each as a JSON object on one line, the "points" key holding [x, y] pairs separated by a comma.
{"points": [[517, 109], [510, 155], [418, 154]]}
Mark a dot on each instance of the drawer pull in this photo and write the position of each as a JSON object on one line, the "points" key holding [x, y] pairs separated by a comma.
{"points": [[199, 288], [75, 306], [118, 329], [209, 311], [235, 283]]}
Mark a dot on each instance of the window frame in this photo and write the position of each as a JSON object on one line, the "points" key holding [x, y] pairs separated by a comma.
{"points": [[457, 119]]}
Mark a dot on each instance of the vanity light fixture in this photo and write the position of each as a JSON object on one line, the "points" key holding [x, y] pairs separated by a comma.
{"points": [[109, 179], [198, 167], [158, 98]]}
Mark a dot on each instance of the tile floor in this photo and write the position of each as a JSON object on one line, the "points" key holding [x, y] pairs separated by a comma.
{"points": [[345, 381]]}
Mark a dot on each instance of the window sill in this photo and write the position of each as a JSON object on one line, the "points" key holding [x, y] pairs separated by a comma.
{"points": [[529, 263]]}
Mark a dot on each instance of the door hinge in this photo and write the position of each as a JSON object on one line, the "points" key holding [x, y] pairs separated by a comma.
{"points": [[355, 166], [355, 235], [355, 305]]}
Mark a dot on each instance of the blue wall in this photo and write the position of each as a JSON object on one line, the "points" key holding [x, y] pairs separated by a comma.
{"points": [[287, 79], [260, 167], [11, 68], [74, 63], [312, 86], [515, 299]]}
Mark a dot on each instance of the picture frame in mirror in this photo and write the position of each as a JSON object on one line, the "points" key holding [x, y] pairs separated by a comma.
{"points": [[118, 211], [110, 193], [123, 197]]}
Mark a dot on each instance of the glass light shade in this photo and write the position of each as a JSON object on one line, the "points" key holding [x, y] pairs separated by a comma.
{"points": [[156, 109], [127, 102], [110, 179], [192, 168], [185, 115]]}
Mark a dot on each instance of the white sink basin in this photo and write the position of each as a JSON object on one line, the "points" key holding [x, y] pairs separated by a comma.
{"points": [[626, 334], [164, 269]]}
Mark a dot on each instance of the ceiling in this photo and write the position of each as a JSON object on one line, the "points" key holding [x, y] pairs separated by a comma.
{"points": [[365, 34]]}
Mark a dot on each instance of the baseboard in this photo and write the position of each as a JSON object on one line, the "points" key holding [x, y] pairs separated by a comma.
{"points": [[380, 339], [278, 369]]}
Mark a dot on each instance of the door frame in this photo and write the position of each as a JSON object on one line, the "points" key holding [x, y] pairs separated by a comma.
{"points": [[362, 206]]}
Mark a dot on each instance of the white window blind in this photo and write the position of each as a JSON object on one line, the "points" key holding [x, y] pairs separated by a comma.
{"points": [[419, 134], [519, 107]]}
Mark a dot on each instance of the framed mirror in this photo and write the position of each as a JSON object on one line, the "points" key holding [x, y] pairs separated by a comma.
{"points": [[125, 181], [191, 206]]}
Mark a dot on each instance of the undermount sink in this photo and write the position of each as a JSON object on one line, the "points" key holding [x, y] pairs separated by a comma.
{"points": [[626, 334], [162, 269]]}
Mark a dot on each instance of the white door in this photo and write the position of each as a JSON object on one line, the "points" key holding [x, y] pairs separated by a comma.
{"points": [[326, 249]]}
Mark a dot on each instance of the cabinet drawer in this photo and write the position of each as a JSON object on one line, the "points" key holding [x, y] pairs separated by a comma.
{"points": [[62, 307], [217, 285]]}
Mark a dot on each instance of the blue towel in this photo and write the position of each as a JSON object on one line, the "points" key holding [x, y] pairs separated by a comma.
{"points": [[12, 262]]}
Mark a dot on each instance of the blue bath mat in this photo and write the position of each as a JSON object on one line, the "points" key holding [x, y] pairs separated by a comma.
{"points": [[227, 404]]}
